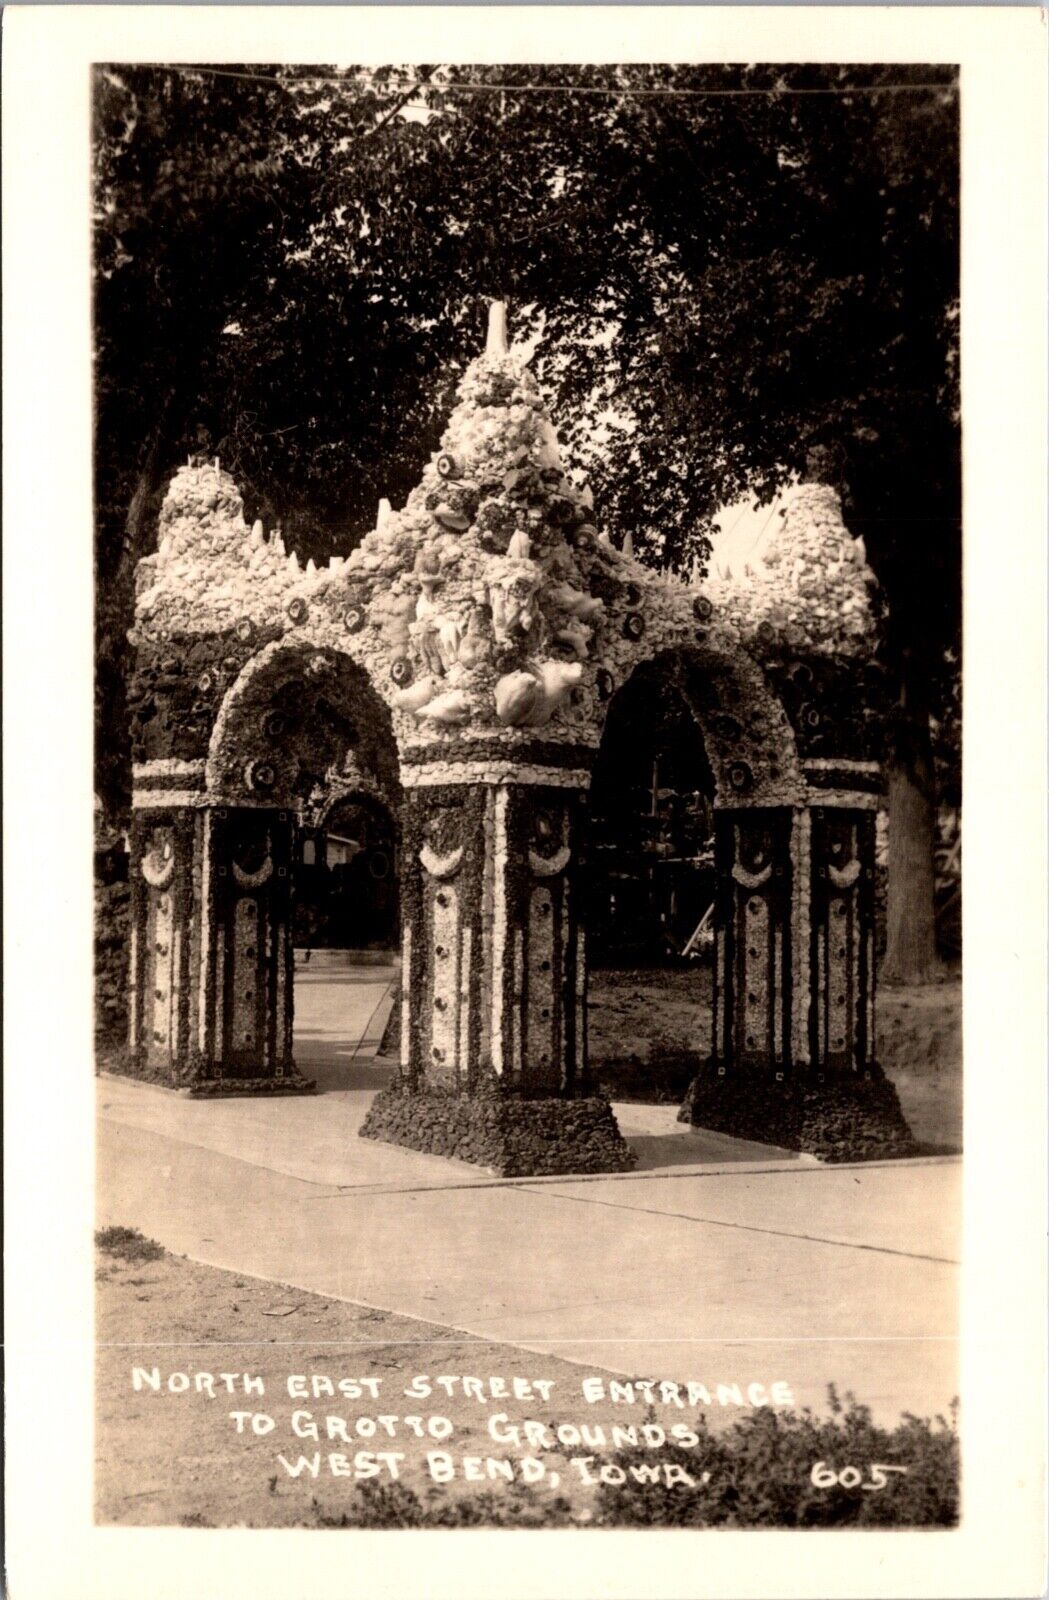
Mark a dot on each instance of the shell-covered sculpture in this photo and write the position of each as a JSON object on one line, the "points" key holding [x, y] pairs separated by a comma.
{"points": [[516, 694]]}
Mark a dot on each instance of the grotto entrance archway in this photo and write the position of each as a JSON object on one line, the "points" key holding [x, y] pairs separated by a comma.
{"points": [[346, 891], [729, 837], [495, 619], [212, 959]]}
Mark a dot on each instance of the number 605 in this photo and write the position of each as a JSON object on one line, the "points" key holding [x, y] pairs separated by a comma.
{"points": [[824, 1477]]}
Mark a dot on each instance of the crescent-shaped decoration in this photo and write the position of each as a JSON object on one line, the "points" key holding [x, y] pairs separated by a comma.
{"points": [[253, 880], [549, 866], [844, 877], [441, 866], [157, 872], [752, 880]]}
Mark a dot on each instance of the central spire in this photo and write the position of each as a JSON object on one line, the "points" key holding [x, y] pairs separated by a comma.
{"points": [[496, 344]]}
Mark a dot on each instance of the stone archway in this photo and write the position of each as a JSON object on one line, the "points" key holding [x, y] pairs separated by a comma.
{"points": [[758, 798], [486, 624], [791, 1057], [212, 959], [347, 869]]}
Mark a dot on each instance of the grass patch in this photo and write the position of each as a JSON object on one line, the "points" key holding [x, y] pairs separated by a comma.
{"points": [[127, 1244]]}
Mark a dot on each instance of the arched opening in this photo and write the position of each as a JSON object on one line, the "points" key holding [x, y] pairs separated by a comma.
{"points": [[694, 745], [650, 889], [346, 891], [651, 824], [303, 759]]}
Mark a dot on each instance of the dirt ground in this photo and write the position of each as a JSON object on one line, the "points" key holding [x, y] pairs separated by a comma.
{"points": [[176, 1458], [643, 1012]]}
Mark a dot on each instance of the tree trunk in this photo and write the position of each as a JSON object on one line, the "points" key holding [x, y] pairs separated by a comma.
{"points": [[911, 955], [115, 605]]}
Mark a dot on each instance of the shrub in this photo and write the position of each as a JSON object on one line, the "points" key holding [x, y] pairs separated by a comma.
{"points": [[760, 1475], [127, 1244]]}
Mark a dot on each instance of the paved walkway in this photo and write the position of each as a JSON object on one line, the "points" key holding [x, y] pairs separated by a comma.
{"points": [[716, 1260]]}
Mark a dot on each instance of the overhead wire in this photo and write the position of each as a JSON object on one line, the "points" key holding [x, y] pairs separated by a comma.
{"points": [[398, 86]]}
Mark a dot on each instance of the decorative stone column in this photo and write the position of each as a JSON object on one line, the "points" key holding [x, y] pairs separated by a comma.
{"points": [[793, 1062], [246, 964], [211, 978], [853, 1110], [165, 853], [752, 939], [493, 1034], [842, 915]]}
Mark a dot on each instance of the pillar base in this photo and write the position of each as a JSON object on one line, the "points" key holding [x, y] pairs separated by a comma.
{"points": [[292, 1082], [511, 1135], [202, 1083], [835, 1116]]}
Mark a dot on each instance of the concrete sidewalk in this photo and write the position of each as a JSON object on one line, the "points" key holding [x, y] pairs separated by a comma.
{"points": [[718, 1261]]}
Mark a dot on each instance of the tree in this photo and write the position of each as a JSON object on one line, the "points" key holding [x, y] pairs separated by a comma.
{"points": [[724, 288]]}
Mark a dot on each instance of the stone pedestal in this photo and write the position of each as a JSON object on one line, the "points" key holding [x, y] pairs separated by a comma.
{"points": [[793, 1059], [493, 1027], [211, 966]]}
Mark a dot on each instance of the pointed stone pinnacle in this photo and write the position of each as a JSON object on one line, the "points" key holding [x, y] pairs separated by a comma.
{"points": [[496, 345], [628, 543], [385, 512]]}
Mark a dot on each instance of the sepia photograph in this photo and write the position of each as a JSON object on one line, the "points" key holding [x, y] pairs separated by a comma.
{"points": [[528, 774], [527, 651]]}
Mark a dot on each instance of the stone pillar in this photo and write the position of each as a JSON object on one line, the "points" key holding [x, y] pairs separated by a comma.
{"points": [[165, 914], [246, 966], [752, 939], [793, 1059], [211, 961], [842, 922], [493, 1031]]}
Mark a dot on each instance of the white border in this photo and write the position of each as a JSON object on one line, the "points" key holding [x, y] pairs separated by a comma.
{"points": [[54, 1551]]}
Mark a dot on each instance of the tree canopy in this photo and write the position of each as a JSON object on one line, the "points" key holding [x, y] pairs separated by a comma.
{"points": [[732, 275]]}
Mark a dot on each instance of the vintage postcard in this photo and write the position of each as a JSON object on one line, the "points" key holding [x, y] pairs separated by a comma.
{"points": [[526, 539]]}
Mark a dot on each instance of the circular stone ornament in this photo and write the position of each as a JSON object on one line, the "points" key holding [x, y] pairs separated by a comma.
{"points": [[447, 466], [401, 672], [633, 625], [605, 684], [245, 630], [274, 723], [206, 682], [261, 776], [298, 610], [353, 618], [702, 608], [740, 777]]}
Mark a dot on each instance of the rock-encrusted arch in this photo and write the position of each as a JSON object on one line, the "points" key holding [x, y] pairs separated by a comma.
{"points": [[296, 711], [493, 620], [746, 733]]}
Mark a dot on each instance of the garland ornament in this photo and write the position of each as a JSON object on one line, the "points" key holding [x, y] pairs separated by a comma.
{"points": [[751, 880], [549, 866], [844, 877], [441, 866], [253, 880], [158, 868]]}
